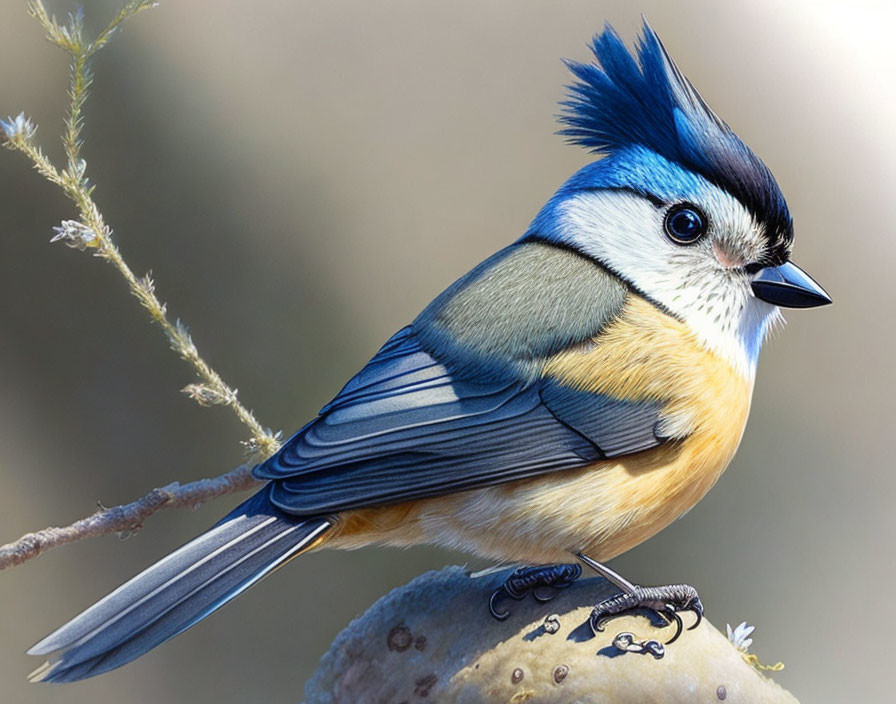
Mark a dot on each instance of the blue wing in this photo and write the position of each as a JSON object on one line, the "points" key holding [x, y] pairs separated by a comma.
{"points": [[404, 428]]}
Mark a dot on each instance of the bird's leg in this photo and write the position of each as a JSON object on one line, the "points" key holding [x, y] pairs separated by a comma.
{"points": [[530, 580], [667, 600]]}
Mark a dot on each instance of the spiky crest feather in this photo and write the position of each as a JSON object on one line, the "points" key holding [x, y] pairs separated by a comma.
{"points": [[642, 99]]}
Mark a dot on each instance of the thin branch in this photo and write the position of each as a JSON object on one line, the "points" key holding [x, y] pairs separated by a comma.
{"points": [[129, 10], [127, 518], [92, 231]]}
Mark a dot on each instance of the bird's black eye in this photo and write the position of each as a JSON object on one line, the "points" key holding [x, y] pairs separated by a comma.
{"points": [[685, 223]]}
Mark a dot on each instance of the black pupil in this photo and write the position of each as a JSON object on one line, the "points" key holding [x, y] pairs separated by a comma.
{"points": [[686, 224]]}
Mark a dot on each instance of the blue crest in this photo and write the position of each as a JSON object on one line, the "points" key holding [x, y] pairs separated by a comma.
{"points": [[627, 100]]}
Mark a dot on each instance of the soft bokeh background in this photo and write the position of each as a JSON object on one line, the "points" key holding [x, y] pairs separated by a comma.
{"points": [[302, 177]]}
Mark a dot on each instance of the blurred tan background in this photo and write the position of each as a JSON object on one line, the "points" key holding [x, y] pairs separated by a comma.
{"points": [[302, 178]]}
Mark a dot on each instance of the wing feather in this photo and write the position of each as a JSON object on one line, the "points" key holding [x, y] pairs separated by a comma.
{"points": [[404, 427]]}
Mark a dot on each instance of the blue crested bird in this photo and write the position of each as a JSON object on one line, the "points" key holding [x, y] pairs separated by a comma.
{"points": [[562, 402]]}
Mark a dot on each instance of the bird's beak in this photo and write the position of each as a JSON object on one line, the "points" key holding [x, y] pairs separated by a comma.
{"points": [[788, 286]]}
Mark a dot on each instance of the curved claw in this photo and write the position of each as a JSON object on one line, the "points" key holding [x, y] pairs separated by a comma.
{"points": [[597, 623], [671, 613], [492, 605], [698, 612]]}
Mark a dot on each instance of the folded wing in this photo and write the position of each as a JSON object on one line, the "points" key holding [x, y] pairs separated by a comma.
{"points": [[405, 428]]}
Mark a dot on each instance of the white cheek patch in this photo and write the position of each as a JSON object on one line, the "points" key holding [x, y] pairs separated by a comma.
{"points": [[624, 232]]}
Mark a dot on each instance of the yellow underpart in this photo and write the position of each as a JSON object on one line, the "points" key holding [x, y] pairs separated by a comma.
{"points": [[612, 505]]}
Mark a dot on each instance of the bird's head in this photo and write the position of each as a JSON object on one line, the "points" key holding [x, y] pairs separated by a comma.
{"points": [[678, 207]]}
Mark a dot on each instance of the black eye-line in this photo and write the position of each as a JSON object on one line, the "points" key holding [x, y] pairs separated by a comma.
{"points": [[659, 204], [647, 195], [655, 200], [686, 205]]}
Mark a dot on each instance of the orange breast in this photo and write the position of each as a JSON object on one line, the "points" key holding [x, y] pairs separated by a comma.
{"points": [[610, 506]]}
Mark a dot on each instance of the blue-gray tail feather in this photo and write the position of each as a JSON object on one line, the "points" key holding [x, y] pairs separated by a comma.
{"points": [[177, 592]]}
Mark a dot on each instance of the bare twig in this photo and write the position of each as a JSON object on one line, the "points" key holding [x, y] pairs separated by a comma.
{"points": [[127, 518], [90, 232]]}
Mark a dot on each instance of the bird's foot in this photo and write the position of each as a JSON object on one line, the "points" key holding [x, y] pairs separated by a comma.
{"points": [[667, 601], [541, 581]]}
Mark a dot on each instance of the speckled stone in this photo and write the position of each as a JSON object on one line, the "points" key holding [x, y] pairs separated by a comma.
{"points": [[470, 658]]}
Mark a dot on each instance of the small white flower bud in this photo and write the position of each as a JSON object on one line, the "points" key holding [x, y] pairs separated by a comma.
{"points": [[75, 235], [18, 127], [739, 636]]}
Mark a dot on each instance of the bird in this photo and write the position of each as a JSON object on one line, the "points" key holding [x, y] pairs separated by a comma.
{"points": [[566, 399]]}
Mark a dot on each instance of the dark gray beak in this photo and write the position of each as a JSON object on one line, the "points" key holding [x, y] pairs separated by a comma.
{"points": [[788, 286]]}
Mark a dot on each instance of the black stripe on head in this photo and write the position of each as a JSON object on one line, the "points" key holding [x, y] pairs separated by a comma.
{"points": [[626, 100]]}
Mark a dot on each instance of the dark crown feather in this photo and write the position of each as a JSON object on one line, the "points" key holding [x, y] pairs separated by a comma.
{"points": [[625, 100]]}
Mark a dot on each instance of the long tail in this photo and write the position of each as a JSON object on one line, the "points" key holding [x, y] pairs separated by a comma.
{"points": [[178, 591]]}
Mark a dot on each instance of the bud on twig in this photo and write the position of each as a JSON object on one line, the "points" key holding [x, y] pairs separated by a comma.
{"points": [[18, 128], [75, 234]]}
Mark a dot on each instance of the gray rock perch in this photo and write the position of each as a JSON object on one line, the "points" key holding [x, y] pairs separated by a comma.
{"points": [[433, 640]]}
